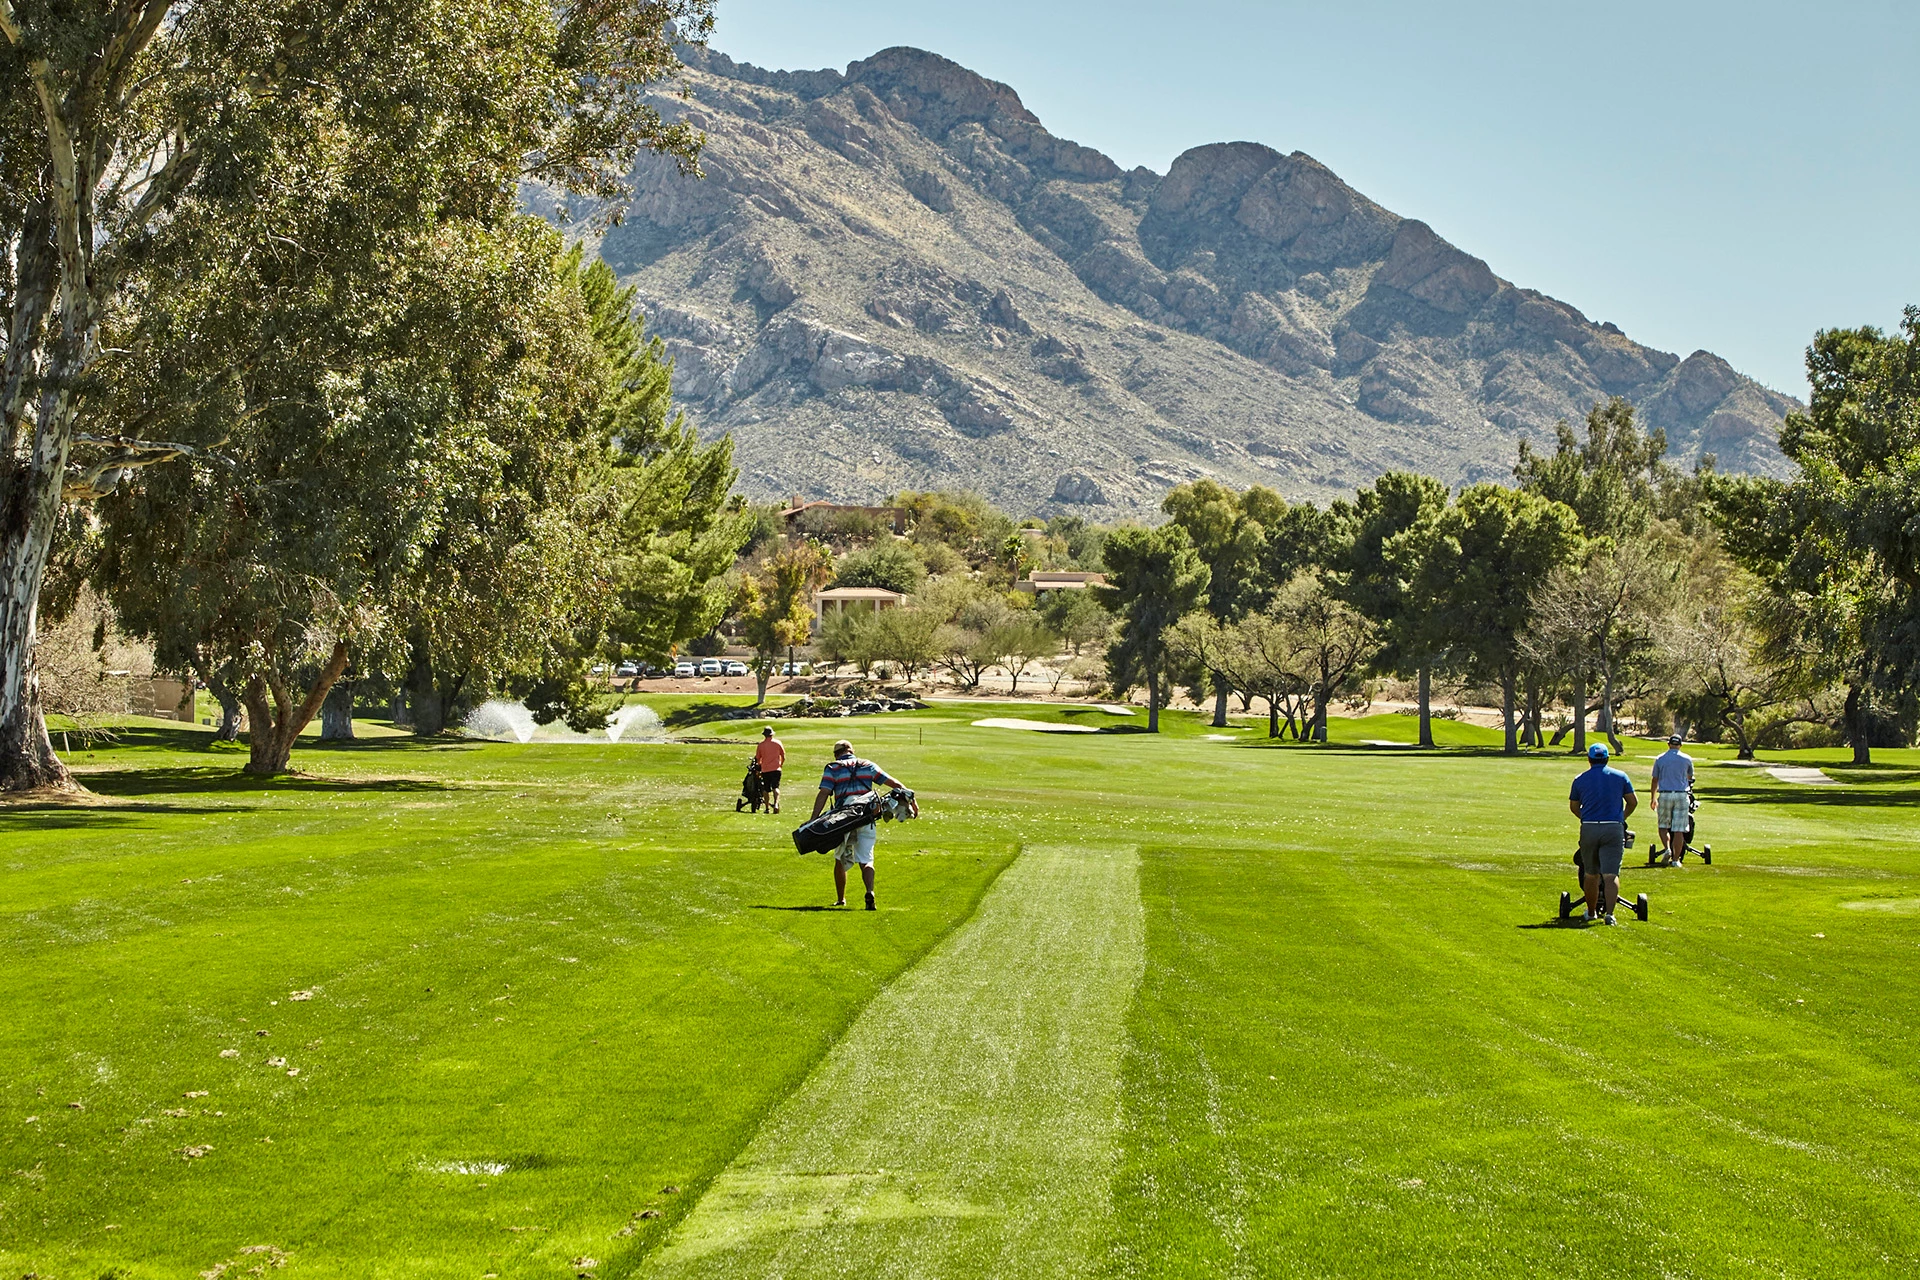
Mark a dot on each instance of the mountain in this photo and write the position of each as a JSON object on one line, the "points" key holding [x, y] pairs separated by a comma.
{"points": [[897, 277]]}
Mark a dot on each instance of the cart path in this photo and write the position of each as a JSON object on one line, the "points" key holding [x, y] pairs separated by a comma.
{"points": [[966, 1124]]}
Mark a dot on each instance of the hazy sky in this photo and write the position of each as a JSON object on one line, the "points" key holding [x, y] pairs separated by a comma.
{"points": [[1723, 175]]}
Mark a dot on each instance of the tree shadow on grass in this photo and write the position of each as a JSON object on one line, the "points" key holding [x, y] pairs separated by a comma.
{"points": [[706, 712], [207, 779], [1845, 796], [58, 817], [768, 906]]}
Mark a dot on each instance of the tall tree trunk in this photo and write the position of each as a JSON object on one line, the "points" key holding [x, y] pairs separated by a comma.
{"points": [[424, 703], [1273, 715], [1512, 746], [1220, 695], [275, 719], [1579, 708], [1426, 704], [1857, 725], [29, 507], [1606, 710], [760, 673], [1530, 735], [336, 713], [1153, 703], [1737, 717]]}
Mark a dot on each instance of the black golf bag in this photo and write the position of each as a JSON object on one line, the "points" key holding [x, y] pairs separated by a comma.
{"points": [[830, 829], [753, 790]]}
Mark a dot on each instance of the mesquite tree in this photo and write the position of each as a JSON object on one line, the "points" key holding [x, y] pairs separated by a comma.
{"points": [[136, 130]]}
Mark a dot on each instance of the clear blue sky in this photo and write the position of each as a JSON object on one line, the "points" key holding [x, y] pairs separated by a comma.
{"points": [[1723, 175]]}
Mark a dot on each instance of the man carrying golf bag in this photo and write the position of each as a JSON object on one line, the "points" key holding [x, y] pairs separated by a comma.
{"points": [[850, 780], [1602, 798]]}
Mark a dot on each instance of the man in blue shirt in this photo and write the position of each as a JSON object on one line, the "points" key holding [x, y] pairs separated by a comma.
{"points": [[1602, 798]]}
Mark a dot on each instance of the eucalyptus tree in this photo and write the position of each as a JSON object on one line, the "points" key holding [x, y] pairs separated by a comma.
{"points": [[142, 139]]}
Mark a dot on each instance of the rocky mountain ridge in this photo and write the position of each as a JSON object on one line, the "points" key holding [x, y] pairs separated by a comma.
{"points": [[896, 277]]}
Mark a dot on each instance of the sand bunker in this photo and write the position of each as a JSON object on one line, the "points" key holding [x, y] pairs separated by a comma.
{"points": [[1036, 726]]}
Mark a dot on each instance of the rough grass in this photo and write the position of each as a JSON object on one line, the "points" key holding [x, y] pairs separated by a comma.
{"points": [[1351, 1052]]}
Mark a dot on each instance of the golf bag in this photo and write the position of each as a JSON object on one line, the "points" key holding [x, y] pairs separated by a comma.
{"points": [[832, 828], [753, 790]]}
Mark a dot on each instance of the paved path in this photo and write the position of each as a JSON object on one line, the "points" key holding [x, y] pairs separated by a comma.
{"points": [[1804, 776], [966, 1123]]}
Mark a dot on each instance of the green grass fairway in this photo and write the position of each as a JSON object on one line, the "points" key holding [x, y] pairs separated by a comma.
{"points": [[1131, 1007]]}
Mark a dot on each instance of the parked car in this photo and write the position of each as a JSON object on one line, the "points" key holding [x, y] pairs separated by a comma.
{"points": [[684, 668], [712, 667], [796, 668], [626, 669], [737, 668]]}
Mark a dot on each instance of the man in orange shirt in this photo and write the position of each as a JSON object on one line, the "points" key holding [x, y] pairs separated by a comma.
{"points": [[771, 756]]}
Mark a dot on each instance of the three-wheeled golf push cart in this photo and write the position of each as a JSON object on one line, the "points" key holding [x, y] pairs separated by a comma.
{"points": [[1568, 901]]}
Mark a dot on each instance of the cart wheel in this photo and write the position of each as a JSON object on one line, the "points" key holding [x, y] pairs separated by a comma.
{"points": [[1640, 906], [1566, 904], [1706, 855]]}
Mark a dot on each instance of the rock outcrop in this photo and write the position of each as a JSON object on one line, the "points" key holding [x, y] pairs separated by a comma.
{"points": [[897, 276]]}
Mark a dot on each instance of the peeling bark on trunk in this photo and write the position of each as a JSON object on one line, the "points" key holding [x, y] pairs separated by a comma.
{"points": [[275, 720], [336, 713], [228, 729], [1426, 705]]}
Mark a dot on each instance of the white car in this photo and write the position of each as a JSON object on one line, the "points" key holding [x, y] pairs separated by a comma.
{"points": [[683, 669], [796, 668], [737, 668], [712, 667]]}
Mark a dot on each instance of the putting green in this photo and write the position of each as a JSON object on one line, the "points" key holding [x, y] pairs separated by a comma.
{"points": [[965, 1125]]}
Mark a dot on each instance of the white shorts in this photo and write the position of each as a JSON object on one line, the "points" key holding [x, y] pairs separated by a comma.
{"points": [[858, 847], [1672, 806]]}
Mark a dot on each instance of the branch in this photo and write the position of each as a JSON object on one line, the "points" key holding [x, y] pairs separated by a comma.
{"points": [[97, 480]]}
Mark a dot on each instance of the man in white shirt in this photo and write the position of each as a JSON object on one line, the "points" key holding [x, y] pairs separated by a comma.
{"points": [[1673, 798]]}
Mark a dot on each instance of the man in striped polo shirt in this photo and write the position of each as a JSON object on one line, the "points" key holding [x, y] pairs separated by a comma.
{"points": [[845, 779]]}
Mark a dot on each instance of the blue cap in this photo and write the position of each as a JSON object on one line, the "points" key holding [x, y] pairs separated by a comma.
{"points": [[1598, 751]]}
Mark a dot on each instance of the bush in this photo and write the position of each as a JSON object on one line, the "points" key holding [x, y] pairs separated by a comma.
{"points": [[888, 564]]}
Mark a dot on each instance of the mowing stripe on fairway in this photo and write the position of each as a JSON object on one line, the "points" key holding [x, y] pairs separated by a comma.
{"points": [[965, 1125]]}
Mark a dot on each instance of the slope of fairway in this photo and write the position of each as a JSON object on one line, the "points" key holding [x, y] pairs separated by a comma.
{"points": [[549, 982], [535, 986], [965, 1123]]}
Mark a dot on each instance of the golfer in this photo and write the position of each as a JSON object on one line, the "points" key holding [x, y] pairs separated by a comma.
{"points": [[1602, 798], [1673, 798], [770, 755], [850, 778]]}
